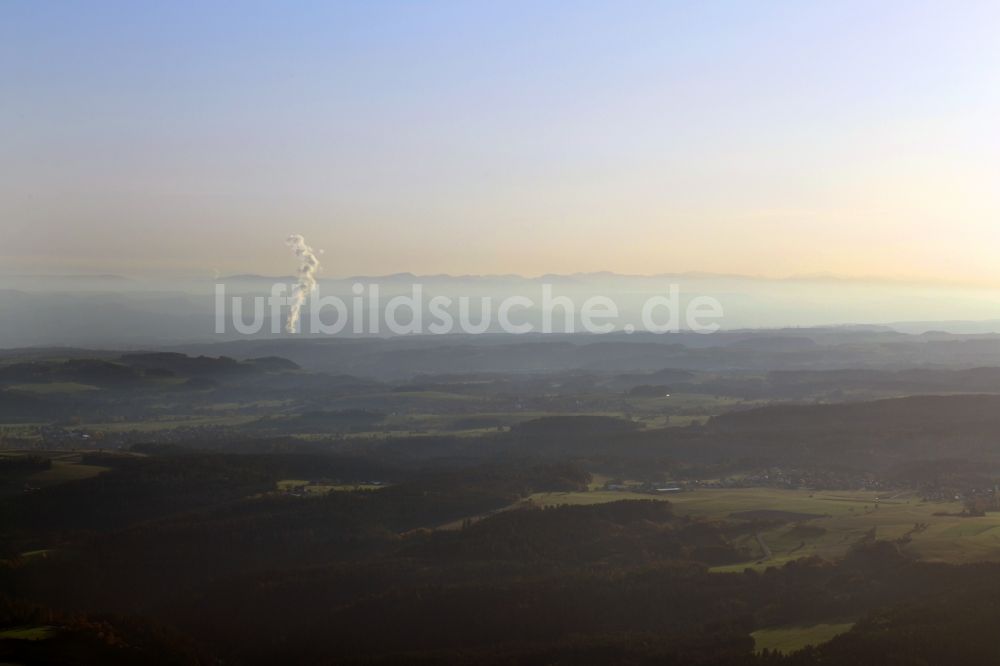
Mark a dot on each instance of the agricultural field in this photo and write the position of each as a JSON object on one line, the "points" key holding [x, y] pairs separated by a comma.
{"points": [[825, 523], [789, 639], [65, 466]]}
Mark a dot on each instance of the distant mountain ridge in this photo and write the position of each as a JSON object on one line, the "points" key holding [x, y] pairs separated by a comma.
{"points": [[118, 311], [611, 275]]}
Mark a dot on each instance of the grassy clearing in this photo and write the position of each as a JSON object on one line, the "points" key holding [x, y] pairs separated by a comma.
{"points": [[313, 488], [790, 639], [844, 517], [28, 633], [63, 471]]}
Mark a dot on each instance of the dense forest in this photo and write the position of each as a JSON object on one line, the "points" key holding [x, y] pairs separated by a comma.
{"points": [[188, 558]]}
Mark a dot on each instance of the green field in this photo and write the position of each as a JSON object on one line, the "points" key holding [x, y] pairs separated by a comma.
{"points": [[790, 639], [62, 471], [841, 519], [28, 633], [320, 488]]}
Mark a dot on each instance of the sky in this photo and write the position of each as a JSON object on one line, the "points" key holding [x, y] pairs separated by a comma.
{"points": [[764, 138]]}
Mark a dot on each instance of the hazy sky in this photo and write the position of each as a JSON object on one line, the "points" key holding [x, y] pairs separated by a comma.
{"points": [[775, 138]]}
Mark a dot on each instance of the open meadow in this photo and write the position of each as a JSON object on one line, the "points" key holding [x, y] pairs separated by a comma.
{"points": [[800, 523], [789, 639]]}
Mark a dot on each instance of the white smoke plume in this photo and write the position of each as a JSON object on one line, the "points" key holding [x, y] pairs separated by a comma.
{"points": [[308, 267]]}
